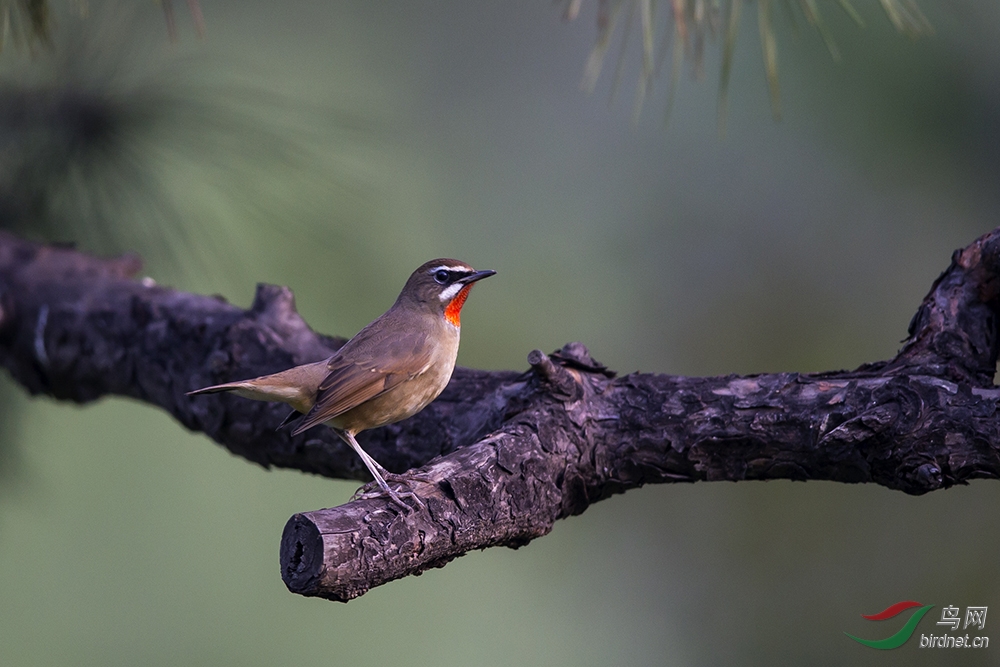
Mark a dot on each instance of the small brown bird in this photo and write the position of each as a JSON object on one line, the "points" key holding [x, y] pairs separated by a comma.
{"points": [[389, 371]]}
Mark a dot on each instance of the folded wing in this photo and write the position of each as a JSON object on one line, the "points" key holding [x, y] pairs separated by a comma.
{"points": [[370, 364]]}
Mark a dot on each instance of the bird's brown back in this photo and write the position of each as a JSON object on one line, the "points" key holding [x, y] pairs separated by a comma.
{"points": [[399, 347]]}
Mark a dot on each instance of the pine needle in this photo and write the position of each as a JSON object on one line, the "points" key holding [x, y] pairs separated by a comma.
{"points": [[770, 50], [729, 47], [691, 22]]}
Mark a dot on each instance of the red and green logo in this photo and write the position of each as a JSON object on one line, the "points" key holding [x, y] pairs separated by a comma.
{"points": [[898, 639]]}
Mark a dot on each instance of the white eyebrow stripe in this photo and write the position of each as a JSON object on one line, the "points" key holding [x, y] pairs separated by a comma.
{"points": [[463, 269], [449, 292]]}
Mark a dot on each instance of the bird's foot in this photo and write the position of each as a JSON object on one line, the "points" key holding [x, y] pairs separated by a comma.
{"points": [[407, 477], [378, 489]]}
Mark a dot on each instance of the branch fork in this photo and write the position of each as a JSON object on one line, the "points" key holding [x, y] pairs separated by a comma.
{"points": [[500, 456]]}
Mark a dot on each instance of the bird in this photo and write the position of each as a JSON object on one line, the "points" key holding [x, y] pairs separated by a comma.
{"points": [[390, 370]]}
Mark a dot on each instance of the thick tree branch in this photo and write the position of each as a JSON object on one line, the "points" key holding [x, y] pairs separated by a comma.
{"points": [[506, 454]]}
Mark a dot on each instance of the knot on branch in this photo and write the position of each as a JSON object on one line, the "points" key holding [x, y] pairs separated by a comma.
{"points": [[274, 308], [562, 372], [563, 378], [954, 332], [556, 379], [273, 302], [576, 355]]}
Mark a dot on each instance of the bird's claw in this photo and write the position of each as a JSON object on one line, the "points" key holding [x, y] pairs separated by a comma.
{"points": [[375, 490], [407, 477]]}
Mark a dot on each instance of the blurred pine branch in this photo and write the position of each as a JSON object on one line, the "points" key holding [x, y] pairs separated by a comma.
{"points": [[26, 23], [688, 23]]}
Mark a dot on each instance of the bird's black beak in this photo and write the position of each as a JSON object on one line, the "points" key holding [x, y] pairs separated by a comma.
{"points": [[473, 277]]}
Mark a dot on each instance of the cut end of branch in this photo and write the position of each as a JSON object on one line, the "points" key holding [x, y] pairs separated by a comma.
{"points": [[301, 556]]}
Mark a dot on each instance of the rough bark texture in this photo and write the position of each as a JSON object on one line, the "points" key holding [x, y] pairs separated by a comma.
{"points": [[505, 454]]}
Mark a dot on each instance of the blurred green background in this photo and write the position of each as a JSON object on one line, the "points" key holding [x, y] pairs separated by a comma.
{"points": [[332, 147]]}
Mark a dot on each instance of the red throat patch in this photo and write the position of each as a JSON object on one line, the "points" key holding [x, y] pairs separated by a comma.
{"points": [[452, 311]]}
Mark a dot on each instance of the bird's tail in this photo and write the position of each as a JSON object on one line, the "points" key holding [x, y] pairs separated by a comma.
{"points": [[258, 389], [218, 388], [248, 389], [296, 386]]}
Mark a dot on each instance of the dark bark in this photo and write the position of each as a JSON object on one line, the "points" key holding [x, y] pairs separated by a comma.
{"points": [[505, 454]]}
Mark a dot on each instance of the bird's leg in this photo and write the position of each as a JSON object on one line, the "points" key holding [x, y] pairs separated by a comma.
{"points": [[377, 472]]}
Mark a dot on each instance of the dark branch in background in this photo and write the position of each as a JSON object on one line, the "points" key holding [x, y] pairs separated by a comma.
{"points": [[506, 453]]}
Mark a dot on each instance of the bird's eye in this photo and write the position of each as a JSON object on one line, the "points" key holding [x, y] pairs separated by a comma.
{"points": [[441, 276]]}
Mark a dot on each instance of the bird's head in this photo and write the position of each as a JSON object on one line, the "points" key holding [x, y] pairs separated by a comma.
{"points": [[441, 286]]}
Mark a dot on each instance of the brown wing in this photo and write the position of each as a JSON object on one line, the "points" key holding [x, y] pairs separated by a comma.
{"points": [[369, 364]]}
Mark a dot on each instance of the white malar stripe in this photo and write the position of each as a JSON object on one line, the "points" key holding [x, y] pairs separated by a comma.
{"points": [[449, 292]]}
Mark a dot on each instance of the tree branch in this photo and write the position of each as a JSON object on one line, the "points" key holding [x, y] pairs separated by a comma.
{"points": [[506, 454]]}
